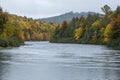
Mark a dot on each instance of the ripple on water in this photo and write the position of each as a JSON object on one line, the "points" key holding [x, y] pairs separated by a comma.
{"points": [[47, 61]]}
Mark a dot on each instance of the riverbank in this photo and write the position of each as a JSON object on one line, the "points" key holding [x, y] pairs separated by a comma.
{"points": [[72, 41]]}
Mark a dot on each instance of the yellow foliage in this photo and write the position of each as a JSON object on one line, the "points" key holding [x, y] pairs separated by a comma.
{"points": [[102, 30], [21, 36], [96, 24], [78, 33], [8, 30], [106, 39], [37, 36], [108, 33]]}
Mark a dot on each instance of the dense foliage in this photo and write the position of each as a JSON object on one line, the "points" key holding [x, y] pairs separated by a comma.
{"points": [[14, 30], [91, 29], [94, 29]]}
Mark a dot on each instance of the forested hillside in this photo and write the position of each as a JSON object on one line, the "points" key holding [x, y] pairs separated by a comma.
{"points": [[67, 16], [14, 30], [93, 29]]}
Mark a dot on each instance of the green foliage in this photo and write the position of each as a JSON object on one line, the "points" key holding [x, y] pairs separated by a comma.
{"points": [[106, 9], [97, 29], [13, 41], [115, 44], [91, 29], [3, 20], [8, 30], [117, 10], [4, 42]]}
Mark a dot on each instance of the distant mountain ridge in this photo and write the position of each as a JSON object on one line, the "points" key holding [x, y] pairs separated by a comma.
{"points": [[66, 16]]}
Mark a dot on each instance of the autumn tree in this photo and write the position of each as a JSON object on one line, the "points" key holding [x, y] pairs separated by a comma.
{"points": [[3, 20], [1, 9], [78, 33], [106, 9]]}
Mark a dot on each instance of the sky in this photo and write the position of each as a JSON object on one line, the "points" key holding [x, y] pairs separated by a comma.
{"points": [[48, 8]]}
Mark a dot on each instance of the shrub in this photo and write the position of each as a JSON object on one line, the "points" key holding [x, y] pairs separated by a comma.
{"points": [[13, 41], [3, 42]]}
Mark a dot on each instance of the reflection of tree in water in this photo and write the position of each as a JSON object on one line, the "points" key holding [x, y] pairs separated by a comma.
{"points": [[111, 65], [3, 65]]}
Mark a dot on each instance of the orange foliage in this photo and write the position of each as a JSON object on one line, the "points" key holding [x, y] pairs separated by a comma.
{"points": [[21, 36]]}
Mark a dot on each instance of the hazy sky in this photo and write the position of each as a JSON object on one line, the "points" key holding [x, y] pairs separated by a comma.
{"points": [[47, 8]]}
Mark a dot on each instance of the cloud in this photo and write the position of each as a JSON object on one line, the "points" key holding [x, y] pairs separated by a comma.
{"points": [[45, 8]]}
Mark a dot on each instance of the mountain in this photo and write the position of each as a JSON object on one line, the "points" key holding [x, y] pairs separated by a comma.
{"points": [[66, 16]]}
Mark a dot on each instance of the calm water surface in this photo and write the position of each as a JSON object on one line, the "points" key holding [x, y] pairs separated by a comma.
{"points": [[51, 61]]}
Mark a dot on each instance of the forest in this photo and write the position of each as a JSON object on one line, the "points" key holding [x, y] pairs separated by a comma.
{"points": [[14, 30], [93, 29]]}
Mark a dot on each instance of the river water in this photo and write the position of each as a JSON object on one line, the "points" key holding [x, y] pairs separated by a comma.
{"points": [[52, 61]]}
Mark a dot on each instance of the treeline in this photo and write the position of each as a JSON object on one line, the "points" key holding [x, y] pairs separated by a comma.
{"points": [[14, 30], [93, 29]]}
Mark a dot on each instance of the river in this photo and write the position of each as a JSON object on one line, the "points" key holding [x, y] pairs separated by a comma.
{"points": [[52, 61]]}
